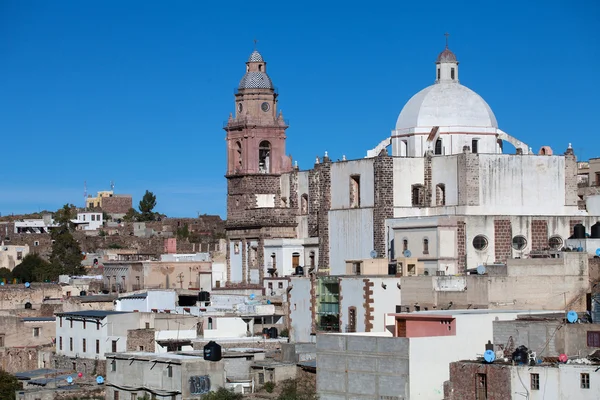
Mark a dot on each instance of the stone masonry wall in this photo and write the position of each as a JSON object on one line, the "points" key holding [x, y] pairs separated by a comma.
{"points": [[383, 170], [539, 234], [462, 383], [461, 233], [502, 239], [141, 340], [314, 200], [427, 179], [570, 178], [117, 204], [324, 207], [368, 304], [468, 179]]}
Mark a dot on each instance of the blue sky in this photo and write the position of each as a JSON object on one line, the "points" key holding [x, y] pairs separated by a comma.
{"points": [[137, 92]]}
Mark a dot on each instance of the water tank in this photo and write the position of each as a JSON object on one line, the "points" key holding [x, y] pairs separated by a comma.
{"points": [[273, 333], [212, 351], [83, 293], [203, 296], [521, 355], [579, 231], [595, 234], [28, 306], [300, 270], [392, 269]]}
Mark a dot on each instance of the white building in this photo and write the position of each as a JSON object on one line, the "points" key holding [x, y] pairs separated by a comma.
{"points": [[88, 221], [440, 188], [42, 225], [412, 363]]}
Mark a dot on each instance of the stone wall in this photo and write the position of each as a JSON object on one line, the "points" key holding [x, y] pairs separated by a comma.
{"points": [[502, 240], [86, 366], [323, 213], [462, 383], [383, 170], [19, 359], [539, 234], [117, 204], [141, 340], [14, 297], [468, 179], [571, 197]]}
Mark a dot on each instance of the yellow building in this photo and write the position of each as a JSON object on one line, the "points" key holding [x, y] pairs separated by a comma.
{"points": [[96, 202]]}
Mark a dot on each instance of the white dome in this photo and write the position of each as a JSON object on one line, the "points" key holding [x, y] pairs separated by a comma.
{"points": [[446, 104]]}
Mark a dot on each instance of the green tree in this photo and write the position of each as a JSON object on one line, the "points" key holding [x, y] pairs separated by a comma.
{"points": [[183, 232], [5, 274], [9, 384], [64, 215], [25, 271], [66, 253], [146, 206], [222, 394], [131, 216], [47, 272]]}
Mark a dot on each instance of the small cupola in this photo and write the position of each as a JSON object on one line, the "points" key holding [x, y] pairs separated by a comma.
{"points": [[446, 66]]}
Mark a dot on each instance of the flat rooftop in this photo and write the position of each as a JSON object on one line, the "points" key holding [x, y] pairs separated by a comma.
{"points": [[90, 313]]}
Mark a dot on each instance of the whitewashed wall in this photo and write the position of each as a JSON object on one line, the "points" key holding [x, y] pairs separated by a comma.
{"points": [[350, 237], [300, 310], [340, 183]]}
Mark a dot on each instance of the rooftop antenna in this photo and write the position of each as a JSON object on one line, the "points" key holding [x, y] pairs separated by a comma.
{"points": [[255, 42], [112, 185], [447, 36]]}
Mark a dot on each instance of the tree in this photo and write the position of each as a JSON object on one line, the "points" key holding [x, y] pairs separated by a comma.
{"points": [[9, 384], [66, 253], [131, 216], [5, 274], [147, 204], [64, 215], [222, 394], [25, 272]]}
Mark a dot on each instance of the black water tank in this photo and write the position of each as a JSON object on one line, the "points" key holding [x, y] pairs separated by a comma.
{"points": [[392, 269], [300, 270], [579, 231], [265, 331], [521, 355], [28, 306], [83, 293], [273, 333], [595, 233], [204, 296], [212, 351]]}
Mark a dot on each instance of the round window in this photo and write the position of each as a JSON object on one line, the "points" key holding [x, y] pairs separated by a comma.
{"points": [[555, 242], [480, 242], [519, 242]]}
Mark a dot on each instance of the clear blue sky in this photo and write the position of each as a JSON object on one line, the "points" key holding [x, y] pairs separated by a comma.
{"points": [[137, 92]]}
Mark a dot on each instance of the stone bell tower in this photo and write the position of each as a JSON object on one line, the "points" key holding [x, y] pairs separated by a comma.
{"points": [[256, 160]]}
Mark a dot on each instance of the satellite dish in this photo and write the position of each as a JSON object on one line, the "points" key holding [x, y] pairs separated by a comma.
{"points": [[572, 317], [373, 253], [2, 283], [27, 284], [268, 301], [69, 380], [563, 358], [481, 270], [252, 296], [100, 380], [598, 252], [406, 253], [489, 356]]}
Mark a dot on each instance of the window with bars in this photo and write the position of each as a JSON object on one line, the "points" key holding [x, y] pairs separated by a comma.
{"points": [[481, 387], [535, 381], [584, 380]]}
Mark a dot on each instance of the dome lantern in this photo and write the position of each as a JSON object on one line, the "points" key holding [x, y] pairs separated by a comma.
{"points": [[446, 65]]}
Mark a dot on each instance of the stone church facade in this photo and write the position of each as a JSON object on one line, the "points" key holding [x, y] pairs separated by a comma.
{"points": [[439, 189]]}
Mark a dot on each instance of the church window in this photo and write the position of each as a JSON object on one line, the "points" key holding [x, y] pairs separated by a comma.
{"points": [[425, 246], [355, 191], [597, 178], [264, 153], [519, 242], [404, 245], [260, 67], [440, 194], [474, 146], [438, 71], [480, 242], [417, 195], [438, 146], [452, 73], [404, 150], [555, 242], [311, 257], [304, 204]]}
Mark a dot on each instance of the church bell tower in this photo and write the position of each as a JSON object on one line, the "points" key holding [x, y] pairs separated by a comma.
{"points": [[256, 161]]}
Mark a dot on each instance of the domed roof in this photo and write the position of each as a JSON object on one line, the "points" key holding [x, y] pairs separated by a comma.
{"points": [[446, 56], [255, 57], [446, 104], [256, 80]]}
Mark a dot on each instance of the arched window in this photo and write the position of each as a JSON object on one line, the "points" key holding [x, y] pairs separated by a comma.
{"points": [[440, 194], [425, 246], [304, 204], [438, 71], [404, 245], [417, 195], [264, 153], [452, 73], [355, 191], [438, 146]]}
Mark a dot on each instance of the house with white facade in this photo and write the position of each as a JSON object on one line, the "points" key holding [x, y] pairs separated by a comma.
{"points": [[88, 221], [11, 256]]}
